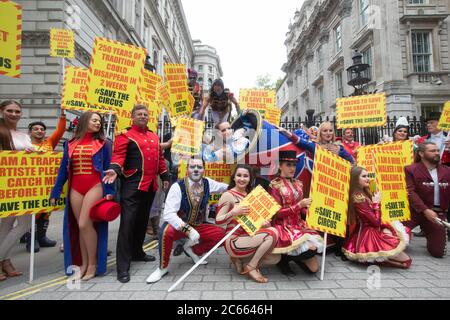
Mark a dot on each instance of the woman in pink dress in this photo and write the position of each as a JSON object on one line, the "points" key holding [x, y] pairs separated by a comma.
{"points": [[296, 242], [371, 241], [254, 250]]}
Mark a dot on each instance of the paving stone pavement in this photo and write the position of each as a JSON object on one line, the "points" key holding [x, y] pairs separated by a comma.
{"points": [[428, 278]]}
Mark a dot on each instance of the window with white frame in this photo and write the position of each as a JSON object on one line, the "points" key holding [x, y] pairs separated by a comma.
{"points": [[421, 50], [321, 100], [364, 12], [339, 85], [367, 58], [319, 59], [338, 38], [305, 71], [200, 68], [418, 1]]}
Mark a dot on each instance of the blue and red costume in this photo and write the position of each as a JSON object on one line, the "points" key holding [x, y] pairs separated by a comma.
{"points": [[83, 174]]}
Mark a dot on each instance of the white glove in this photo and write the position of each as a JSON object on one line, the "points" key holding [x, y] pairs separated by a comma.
{"points": [[194, 236]]}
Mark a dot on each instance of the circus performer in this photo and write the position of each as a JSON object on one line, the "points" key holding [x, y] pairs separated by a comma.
{"points": [[240, 245], [296, 242], [372, 241], [85, 159]]}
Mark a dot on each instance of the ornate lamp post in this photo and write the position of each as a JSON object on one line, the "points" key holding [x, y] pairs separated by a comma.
{"points": [[358, 74]]}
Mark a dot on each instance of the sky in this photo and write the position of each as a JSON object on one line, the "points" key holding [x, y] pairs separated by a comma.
{"points": [[248, 35]]}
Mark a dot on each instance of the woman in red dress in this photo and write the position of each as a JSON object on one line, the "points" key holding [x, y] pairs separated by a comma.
{"points": [[371, 241], [296, 242], [86, 157], [240, 246]]}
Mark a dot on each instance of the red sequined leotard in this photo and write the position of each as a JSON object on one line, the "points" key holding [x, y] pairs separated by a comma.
{"points": [[84, 175]]}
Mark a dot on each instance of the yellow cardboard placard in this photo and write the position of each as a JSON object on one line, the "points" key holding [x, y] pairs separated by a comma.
{"points": [[257, 99], [444, 122], [10, 38], [74, 90], [361, 111], [262, 208], [62, 43], [124, 121], [273, 115], [163, 96], [188, 136], [391, 182], [329, 193], [178, 89], [114, 75], [148, 87], [220, 172], [26, 181], [365, 154]]}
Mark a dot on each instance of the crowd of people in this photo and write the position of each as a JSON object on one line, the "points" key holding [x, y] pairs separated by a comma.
{"points": [[139, 170]]}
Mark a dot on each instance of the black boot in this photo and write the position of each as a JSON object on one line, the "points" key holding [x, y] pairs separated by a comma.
{"points": [[284, 267], [37, 248], [25, 238], [302, 257], [41, 234]]}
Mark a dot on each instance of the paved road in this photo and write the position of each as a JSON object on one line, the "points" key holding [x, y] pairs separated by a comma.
{"points": [[428, 278]]}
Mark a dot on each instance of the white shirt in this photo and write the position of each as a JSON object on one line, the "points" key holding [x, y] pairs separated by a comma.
{"points": [[434, 175], [21, 140], [439, 140], [173, 201]]}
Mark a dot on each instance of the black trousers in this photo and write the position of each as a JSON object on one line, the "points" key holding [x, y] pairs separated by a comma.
{"points": [[133, 224]]}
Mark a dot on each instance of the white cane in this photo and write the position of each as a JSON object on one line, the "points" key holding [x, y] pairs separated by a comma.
{"points": [[109, 123], [324, 253], [203, 258], [33, 231]]}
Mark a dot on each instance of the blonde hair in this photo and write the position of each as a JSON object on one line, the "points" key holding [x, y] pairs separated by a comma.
{"points": [[321, 127]]}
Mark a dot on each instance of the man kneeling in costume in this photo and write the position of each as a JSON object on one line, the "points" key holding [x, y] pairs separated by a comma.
{"points": [[185, 217]]}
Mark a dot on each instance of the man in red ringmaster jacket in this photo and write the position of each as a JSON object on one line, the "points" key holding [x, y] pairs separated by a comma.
{"points": [[138, 160], [428, 184]]}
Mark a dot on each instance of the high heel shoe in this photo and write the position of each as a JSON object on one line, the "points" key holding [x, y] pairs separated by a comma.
{"points": [[90, 273], [259, 278], [9, 269], [237, 264], [79, 276]]}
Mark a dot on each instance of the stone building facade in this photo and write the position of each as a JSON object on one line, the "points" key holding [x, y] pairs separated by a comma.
{"points": [[207, 64], [406, 42], [158, 25]]}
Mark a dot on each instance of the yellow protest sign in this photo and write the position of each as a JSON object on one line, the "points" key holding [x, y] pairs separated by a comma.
{"points": [[391, 183], [74, 91], [257, 99], [273, 115], [26, 181], [361, 111], [329, 193], [124, 121], [62, 43], [365, 154], [114, 75], [444, 122], [178, 89], [163, 96], [262, 208], [10, 38], [220, 172], [188, 136], [148, 87]]}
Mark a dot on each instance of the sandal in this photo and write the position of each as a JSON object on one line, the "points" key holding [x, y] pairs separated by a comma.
{"points": [[237, 264], [397, 264], [9, 269], [259, 278]]}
